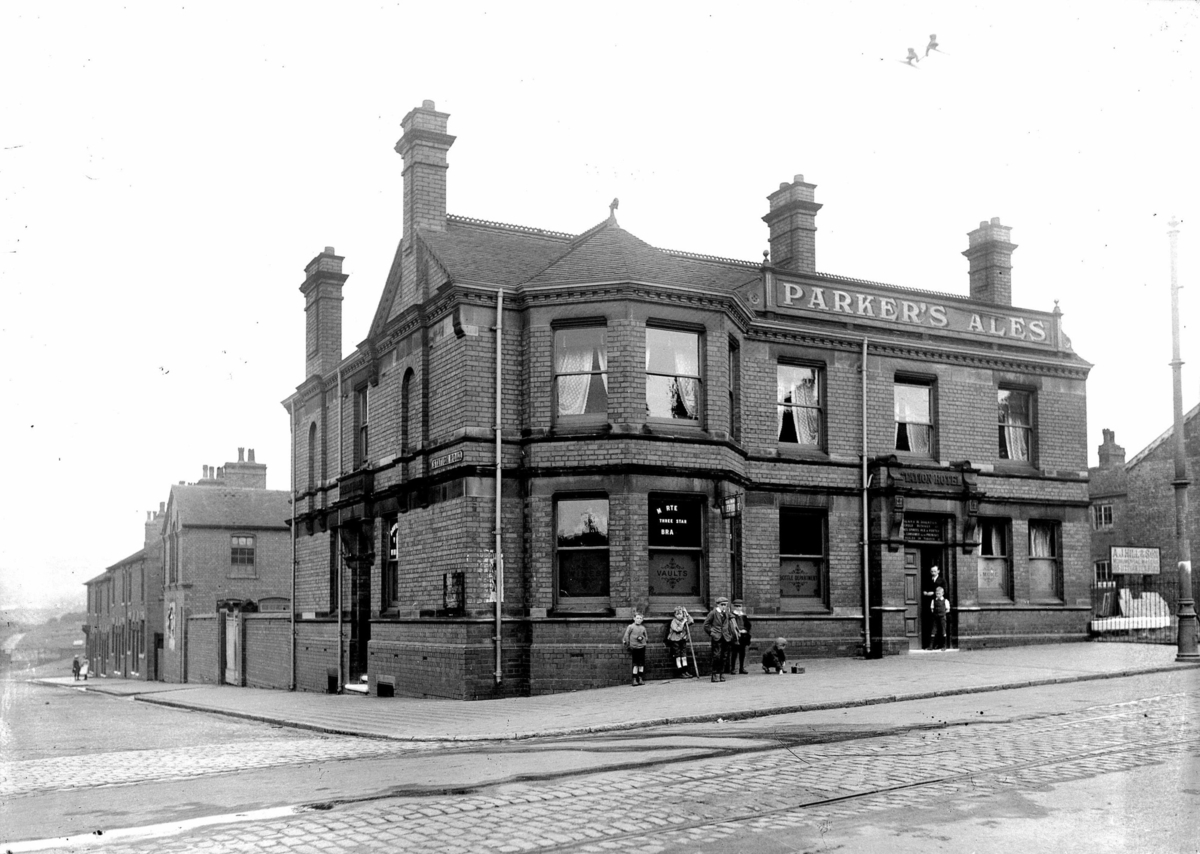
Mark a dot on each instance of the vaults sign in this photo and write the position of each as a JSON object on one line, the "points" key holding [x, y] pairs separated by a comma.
{"points": [[913, 310]]}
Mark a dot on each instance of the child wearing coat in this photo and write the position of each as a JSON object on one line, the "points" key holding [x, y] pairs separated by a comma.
{"points": [[677, 642], [774, 657], [635, 641]]}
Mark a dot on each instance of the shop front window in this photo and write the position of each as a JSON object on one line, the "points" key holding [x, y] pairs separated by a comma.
{"points": [[995, 575], [803, 576], [676, 545], [581, 553], [1045, 569]]}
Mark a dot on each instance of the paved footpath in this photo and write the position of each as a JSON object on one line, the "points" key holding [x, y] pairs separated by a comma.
{"points": [[827, 683]]}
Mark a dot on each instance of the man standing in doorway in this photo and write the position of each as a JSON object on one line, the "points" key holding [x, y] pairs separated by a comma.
{"points": [[928, 589]]}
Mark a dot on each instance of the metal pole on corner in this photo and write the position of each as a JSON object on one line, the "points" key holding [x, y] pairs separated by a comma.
{"points": [[1187, 605]]}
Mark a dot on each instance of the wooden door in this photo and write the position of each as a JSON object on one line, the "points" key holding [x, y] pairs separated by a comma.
{"points": [[912, 597]]}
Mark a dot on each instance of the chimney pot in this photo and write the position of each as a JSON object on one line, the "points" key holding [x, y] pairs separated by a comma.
{"points": [[162, 507], [798, 179], [329, 250], [240, 452], [251, 455], [428, 105]]}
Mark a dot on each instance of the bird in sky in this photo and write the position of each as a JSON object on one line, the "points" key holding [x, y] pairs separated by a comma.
{"points": [[912, 57], [933, 43]]}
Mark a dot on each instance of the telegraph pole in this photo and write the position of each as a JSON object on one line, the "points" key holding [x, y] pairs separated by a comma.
{"points": [[1187, 605]]}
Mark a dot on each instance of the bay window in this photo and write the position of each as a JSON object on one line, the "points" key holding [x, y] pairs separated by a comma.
{"points": [[581, 372], [672, 374], [581, 553]]}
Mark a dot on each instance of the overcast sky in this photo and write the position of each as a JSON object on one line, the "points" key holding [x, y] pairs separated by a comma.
{"points": [[167, 170]]}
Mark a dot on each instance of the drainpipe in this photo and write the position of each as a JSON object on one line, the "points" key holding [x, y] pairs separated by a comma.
{"points": [[340, 558], [499, 570], [866, 530], [292, 417]]}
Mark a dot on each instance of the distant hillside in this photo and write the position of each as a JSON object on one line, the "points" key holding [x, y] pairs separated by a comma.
{"points": [[21, 616]]}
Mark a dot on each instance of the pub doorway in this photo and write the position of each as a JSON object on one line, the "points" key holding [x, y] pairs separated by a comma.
{"points": [[926, 547]]}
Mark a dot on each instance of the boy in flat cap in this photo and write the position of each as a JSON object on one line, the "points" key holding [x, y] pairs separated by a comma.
{"points": [[721, 632]]}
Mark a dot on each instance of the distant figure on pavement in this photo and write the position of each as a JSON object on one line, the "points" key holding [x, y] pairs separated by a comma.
{"points": [[737, 652], [677, 642], [83, 669], [940, 607], [635, 641], [774, 657], [75, 668], [720, 629]]}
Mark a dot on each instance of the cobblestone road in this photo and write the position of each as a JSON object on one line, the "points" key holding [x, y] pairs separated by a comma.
{"points": [[692, 805], [182, 763]]}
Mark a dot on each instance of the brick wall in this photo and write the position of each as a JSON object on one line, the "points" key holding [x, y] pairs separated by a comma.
{"points": [[266, 650], [202, 653]]}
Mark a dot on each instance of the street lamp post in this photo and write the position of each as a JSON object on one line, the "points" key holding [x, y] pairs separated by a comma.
{"points": [[1187, 605]]}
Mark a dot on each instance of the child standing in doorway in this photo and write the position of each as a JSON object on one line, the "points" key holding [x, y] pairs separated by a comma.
{"points": [[941, 609], [635, 641]]}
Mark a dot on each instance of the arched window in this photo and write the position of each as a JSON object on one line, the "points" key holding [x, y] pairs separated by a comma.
{"points": [[406, 412], [312, 456]]}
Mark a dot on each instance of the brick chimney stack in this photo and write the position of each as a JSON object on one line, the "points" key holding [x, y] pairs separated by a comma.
{"points": [[793, 223], [989, 251], [245, 473], [423, 147], [322, 291], [1110, 453]]}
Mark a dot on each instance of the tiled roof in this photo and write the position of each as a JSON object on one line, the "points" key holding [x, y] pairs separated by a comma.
{"points": [[1146, 451], [608, 253], [508, 255], [474, 251], [136, 556], [231, 507]]}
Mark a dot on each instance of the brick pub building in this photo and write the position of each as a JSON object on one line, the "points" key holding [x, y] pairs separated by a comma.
{"points": [[672, 428]]}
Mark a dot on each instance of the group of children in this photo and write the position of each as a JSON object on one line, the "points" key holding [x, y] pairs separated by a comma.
{"points": [[729, 636]]}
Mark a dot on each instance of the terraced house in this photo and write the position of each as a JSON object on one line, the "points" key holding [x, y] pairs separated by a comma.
{"points": [[582, 425]]}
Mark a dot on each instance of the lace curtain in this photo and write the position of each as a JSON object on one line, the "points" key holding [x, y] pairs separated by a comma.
{"points": [[913, 429], [799, 416], [1014, 425], [582, 361], [1041, 540]]}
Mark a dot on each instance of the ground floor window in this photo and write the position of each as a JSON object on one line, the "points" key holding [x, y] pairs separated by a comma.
{"points": [[803, 562], [581, 553], [1045, 570], [390, 593], [1102, 570], [676, 545], [995, 571]]}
